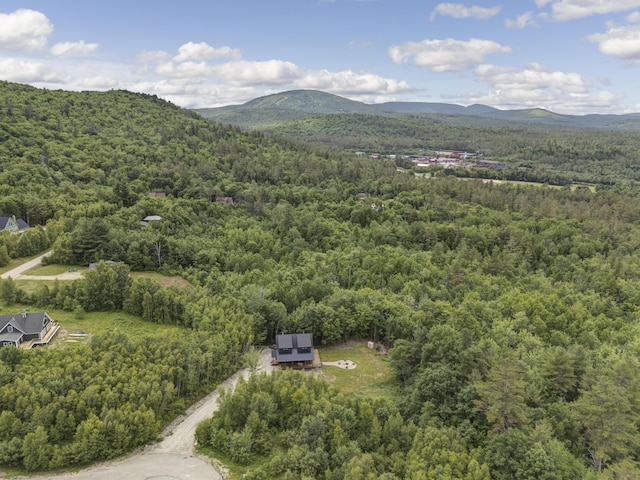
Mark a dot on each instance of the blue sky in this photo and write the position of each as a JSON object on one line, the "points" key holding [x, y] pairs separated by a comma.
{"points": [[568, 56]]}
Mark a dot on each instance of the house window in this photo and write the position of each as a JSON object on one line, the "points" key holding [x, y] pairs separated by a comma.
{"points": [[10, 328]]}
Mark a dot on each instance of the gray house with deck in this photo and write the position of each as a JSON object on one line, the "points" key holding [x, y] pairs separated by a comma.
{"points": [[26, 329]]}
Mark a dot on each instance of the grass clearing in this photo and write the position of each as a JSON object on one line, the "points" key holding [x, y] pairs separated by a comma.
{"points": [[372, 376], [162, 280], [53, 269], [101, 323], [30, 286]]}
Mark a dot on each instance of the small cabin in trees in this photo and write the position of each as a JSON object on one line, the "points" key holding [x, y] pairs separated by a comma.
{"points": [[26, 330], [13, 224], [294, 350]]}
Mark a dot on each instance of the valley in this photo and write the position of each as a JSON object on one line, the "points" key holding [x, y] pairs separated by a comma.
{"points": [[506, 315]]}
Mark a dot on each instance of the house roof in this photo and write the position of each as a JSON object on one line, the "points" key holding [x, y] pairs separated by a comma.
{"points": [[294, 347], [27, 323], [305, 340], [284, 341], [20, 223], [3, 222], [11, 337], [150, 218]]}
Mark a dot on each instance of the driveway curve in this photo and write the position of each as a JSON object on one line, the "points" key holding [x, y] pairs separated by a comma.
{"points": [[174, 457], [20, 269]]}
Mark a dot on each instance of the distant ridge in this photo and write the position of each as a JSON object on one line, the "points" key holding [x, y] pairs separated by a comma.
{"points": [[295, 105]]}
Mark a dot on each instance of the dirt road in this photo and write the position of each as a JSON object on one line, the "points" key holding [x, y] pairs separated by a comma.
{"points": [[179, 437], [20, 269], [171, 459]]}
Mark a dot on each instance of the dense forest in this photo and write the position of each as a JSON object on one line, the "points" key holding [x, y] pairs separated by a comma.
{"points": [[537, 153], [535, 145], [510, 312]]}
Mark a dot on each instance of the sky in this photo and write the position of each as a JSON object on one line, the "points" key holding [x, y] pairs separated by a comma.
{"points": [[568, 56]]}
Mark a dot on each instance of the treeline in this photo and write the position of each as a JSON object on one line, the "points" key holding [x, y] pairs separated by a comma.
{"points": [[71, 406], [293, 426], [308, 430], [30, 242]]}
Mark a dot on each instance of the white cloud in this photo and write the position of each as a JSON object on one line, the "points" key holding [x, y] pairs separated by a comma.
{"points": [[527, 19], [73, 49], [270, 72], [446, 55], [633, 17], [24, 30], [150, 56], [26, 71], [204, 51], [621, 42], [190, 70], [351, 83], [533, 77], [457, 10], [538, 86], [563, 10], [99, 82]]}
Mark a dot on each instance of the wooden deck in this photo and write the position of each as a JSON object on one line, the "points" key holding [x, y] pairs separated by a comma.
{"points": [[315, 363], [42, 341]]}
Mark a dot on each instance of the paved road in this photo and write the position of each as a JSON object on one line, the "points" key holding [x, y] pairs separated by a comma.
{"points": [[20, 269], [171, 459]]}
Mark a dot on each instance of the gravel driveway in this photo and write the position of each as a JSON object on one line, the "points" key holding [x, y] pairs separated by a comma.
{"points": [[171, 459], [16, 272]]}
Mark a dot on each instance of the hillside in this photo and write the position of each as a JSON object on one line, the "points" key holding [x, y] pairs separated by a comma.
{"points": [[535, 145], [510, 313], [297, 104]]}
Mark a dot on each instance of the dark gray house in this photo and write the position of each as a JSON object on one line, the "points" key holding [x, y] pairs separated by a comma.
{"points": [[18, 328], [294, 350]]}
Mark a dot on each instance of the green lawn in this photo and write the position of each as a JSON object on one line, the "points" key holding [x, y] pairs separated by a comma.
{"points": [[97, 323], [31, 286], [53, 269], [371, 377]]}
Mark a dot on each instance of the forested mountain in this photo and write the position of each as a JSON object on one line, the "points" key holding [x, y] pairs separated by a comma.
{"points": [[511, 312], [297, 104], [534, 145]]}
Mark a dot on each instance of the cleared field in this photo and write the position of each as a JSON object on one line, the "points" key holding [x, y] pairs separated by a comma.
{"points": [[372, 375], [162, 280], [98, 323], [54, 269]]}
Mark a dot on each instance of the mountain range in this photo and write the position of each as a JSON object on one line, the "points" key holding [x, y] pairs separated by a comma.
{"points": [[269, 111]]}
